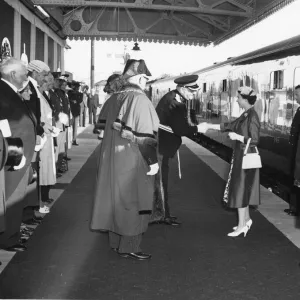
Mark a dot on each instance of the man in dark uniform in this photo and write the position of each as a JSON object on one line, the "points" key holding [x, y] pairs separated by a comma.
{"points": [[172, 113], [294, 140], [93, 105], [75, 98]]}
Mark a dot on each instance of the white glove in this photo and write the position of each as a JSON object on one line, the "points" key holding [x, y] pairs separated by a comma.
{"points": [[236, 137], [153, 169], [202, 127], [5, 128], [55, 131], [22, 163], [63, 118], [40, 143], [47, 128]]}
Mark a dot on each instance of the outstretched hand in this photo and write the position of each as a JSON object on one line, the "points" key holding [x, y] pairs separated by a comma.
{"points": [[202, 127]]}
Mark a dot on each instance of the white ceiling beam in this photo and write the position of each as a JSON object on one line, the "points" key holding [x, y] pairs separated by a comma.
{"points": [[140, 5], [246, 8]]}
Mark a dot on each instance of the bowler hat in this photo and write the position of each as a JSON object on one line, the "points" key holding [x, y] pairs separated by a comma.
{"points": [[135, 67], [189, 81]]}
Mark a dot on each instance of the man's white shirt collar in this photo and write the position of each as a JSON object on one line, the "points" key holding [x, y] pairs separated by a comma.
{"points": [[11, 85]]}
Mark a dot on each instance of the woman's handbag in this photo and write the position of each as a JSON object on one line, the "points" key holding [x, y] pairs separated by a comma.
{"points": [[251, 160]]}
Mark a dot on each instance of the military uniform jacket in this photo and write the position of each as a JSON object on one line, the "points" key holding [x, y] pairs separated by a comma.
{"points": [[173, 114], [75, 99]]}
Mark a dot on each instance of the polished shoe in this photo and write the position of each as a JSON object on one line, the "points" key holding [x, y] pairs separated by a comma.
{"points": [[75, 143], [288, 210], [248, 223], [67, 158], [16, 248], [171, 222], [58, 175], [49, 201], [293, 214], [137, 255], [173, 217], [115, 249], [238, 232], [38, 219]]}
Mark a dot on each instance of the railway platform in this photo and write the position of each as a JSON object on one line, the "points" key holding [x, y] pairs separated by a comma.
{"points": [[65, 260]]}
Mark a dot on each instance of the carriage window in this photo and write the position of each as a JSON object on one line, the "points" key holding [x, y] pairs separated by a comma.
{"points": [[204, 87], [247, 80], [278, 80], [224, 88]]}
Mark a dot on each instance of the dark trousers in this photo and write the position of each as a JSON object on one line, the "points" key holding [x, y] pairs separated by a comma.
{"points": [[82, 116], [45, 189], [295, 199], [92, 115], [125, 244], [75, 127], [14, 212], [165, 180]]}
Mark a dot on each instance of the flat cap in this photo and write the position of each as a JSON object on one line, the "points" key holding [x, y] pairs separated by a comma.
{"points": [[38, 66], [189, 81]]}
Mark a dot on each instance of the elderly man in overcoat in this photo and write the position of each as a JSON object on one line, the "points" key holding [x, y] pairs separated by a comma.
{"points": [[22, 123]]}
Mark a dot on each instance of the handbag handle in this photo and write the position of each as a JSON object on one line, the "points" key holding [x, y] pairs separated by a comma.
{"points": [[247, 147]]}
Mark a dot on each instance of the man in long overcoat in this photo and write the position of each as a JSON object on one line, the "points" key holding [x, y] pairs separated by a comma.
{"points": [[294, 146], [22, 123], [123, 197]]}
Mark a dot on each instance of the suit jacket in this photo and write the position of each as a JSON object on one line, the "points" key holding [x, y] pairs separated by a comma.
{"points": [[94, 101], [66, 107], [22, 123], [3, 158], [173, 114], [75, 99], [294, 148]]}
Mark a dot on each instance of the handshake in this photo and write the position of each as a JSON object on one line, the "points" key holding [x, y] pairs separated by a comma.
{"points": [[203, 127]]}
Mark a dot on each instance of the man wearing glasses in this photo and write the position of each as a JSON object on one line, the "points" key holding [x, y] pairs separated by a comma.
{"points": [[173, 117]]}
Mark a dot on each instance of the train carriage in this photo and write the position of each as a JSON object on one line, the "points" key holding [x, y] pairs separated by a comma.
{"points": [[273, 72]]}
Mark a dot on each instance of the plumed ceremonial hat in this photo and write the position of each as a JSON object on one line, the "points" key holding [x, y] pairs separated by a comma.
{"points": [[135, 67], [38, 66], [56, 75], [189, 81]]}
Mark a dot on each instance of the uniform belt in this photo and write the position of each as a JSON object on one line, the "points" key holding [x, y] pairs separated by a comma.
{"points": [[165, 128]]}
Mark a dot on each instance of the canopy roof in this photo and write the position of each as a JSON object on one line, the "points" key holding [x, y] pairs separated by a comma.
{"points": [[193, 22]]}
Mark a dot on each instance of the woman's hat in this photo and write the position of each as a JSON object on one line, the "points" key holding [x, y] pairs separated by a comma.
{"points": [[135, 67], [246, 90]]}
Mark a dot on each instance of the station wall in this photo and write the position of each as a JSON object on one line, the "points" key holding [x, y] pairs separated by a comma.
{"points": [[23, 27]]}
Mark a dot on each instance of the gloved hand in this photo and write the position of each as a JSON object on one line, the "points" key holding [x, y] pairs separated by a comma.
{"points": [[63, 118], [5, 128], [21, 165], [236, 137], [202, 127], [153, 169]]}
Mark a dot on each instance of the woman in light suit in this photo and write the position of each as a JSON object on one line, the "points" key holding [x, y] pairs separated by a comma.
{"points": [[242, 187]]}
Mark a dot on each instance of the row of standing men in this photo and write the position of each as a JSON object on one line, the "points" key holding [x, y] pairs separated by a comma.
{"points": [[39, 115]]}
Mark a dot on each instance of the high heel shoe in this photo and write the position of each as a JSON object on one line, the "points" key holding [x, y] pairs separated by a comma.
{"points": [[248, 223], [238, 232]]}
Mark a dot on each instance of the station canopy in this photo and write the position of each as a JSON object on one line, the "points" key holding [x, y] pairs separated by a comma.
{"points": [[190, 22]]}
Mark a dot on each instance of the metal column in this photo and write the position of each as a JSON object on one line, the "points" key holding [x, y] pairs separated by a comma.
{"points": [[92, 62]]}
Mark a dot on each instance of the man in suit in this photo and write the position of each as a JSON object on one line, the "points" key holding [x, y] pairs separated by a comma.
{"points": [[75, 98], [23, 124], [172, 113], [294, 146], [83, 105], [93, 105]]}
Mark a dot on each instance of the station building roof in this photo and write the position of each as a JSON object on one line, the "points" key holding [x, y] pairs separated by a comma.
{"points": [[190, 22]]}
